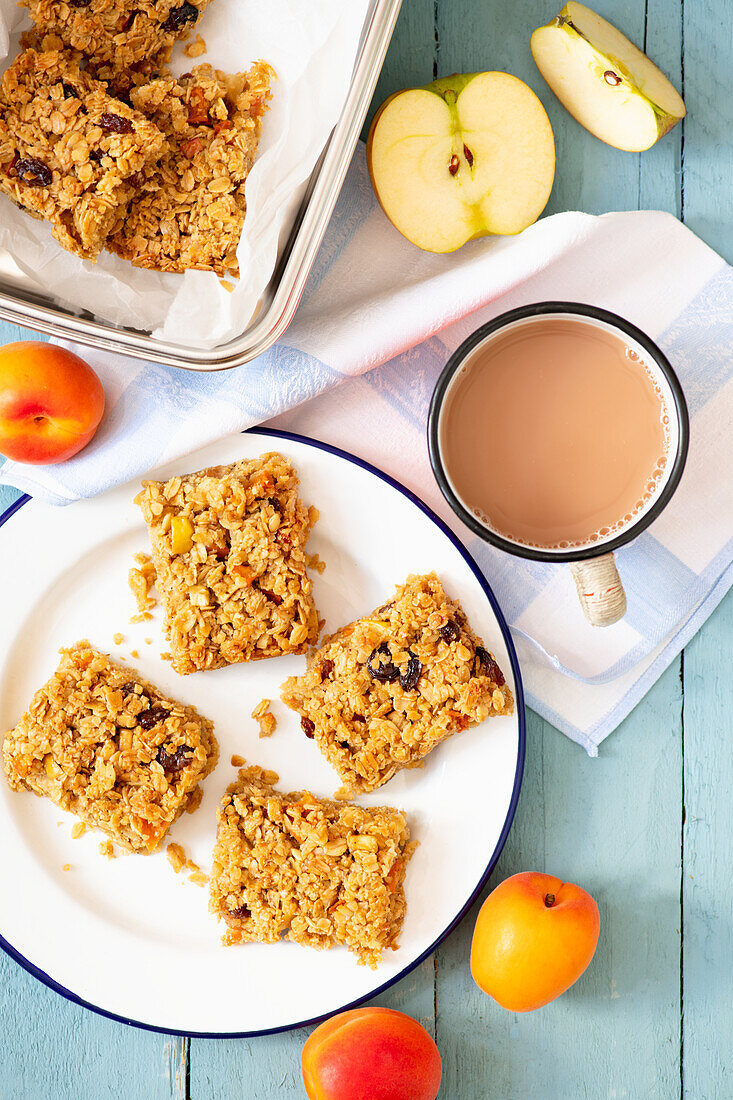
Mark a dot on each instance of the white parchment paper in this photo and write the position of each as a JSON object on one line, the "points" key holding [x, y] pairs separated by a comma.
{"points": [[312, 47]]}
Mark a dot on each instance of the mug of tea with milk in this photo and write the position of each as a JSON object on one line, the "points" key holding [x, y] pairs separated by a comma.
{"points": [[558, 432]]}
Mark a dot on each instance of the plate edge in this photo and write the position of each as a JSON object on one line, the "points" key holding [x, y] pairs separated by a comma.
{"points": [[69, 995]]}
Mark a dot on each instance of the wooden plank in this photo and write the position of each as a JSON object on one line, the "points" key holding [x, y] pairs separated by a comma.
{"points": [[708, 151], [612, 825], [707, 882], [54, 1050], [660, 168]]}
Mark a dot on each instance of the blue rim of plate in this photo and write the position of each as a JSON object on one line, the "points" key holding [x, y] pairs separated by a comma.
{"points": [[274, 433]]}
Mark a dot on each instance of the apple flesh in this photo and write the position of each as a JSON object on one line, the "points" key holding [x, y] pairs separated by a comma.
{"points": [[51, 402], [613, 89], [534, 937], [467, 156]]}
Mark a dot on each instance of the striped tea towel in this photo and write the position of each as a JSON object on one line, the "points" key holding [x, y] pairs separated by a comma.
{"points": [[381, 318]]}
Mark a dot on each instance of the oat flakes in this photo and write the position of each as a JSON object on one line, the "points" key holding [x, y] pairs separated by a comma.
{"points": [[320, 872], [104, 744], [382, 692], [228, 545]]}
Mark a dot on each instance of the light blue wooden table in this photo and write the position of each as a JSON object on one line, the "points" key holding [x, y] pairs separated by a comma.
{"points": [[647, 828]]}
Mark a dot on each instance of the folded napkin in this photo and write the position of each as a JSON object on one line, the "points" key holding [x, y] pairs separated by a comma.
{"points": [[381, 318]]}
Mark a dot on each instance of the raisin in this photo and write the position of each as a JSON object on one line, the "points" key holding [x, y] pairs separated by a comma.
{"points": [[115, 124], [128, 689], [413, 672], [309, 728], [242, 913], [34, 172], [179, 17], [79, 3], [485, 664], [96, 155], [272, 500], [152, 717], [450, 632], [384, 670], [70, 91], [127, 23], [174, 761], [326, 669]]}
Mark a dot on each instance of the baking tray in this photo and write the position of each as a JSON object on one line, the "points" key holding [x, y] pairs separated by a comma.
{"points": [[24, 303]]}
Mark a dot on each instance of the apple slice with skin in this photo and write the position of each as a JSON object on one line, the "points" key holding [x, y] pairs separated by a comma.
{"points": [[607, 84], [461, 158]]}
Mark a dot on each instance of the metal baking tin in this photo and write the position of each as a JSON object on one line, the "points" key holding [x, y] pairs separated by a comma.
{"points": [[23, 303]]}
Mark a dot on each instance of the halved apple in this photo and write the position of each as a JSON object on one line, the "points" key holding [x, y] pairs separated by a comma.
{"points": [[461, 158], [607, 84]]}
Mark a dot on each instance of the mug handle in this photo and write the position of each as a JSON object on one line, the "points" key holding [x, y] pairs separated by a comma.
{"points": [[600, 590]]}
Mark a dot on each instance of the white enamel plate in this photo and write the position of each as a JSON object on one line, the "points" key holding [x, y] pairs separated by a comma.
{"points": [[128, 937]]}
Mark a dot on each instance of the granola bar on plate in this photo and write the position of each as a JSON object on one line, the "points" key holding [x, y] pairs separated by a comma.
{"points": [[322, 873], [68, 151], [229, 550], [106, 745], [189, 208], [382, 692]]}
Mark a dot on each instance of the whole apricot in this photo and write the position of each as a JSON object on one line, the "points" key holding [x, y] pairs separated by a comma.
{"points": [[51, 402], [534, 937], [371, 1054]]}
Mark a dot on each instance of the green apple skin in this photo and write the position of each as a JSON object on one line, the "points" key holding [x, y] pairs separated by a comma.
{"points": [[487, 202], [632, 126]]}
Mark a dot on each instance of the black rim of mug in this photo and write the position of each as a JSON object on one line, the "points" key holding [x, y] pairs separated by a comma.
{"points": [[635, 528]]}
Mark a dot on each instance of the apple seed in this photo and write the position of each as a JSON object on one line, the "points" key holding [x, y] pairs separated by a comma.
{"points": [[454, 165], [612, 78], [468, 155]]}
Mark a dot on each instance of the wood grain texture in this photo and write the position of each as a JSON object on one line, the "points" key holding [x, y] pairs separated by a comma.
{"points": [[646, 827], [54, 1050], [707, 861], [612, 825]]}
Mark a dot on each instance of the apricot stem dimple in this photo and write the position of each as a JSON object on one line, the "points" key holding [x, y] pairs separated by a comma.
{"points": [[549, 900]]}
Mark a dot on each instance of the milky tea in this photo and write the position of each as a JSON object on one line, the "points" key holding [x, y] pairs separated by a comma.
{"points": [[555, 433]]}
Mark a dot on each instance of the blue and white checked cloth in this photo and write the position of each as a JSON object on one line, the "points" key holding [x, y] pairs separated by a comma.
{"points": [[381, 318]]}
